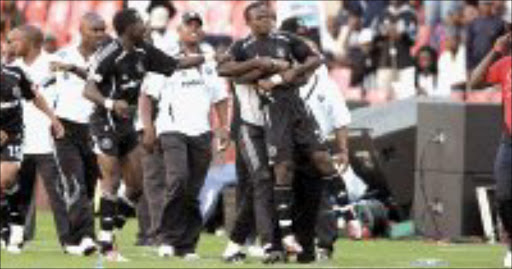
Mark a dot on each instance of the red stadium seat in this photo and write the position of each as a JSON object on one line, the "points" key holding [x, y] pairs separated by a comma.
{"points": [[107, 9], [484, 97], [57, 23], [36, 13], [78, 9]]}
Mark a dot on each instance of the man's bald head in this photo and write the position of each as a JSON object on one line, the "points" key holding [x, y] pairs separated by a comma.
{"points": [[92, 29]]}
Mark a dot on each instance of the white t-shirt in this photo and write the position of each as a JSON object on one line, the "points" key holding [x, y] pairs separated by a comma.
{"points": [[326, 102], [452, 70], [71, 104], [38, 138], [185, 99]]}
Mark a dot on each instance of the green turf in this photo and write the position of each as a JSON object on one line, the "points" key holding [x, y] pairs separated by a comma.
{"points": [[44, 252]]}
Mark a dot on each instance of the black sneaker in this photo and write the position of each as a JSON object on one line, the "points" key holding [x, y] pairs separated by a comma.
{"points": [[105, 247], [274, 256], [237, 257]]}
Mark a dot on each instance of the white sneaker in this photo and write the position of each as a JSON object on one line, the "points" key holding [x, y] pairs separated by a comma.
{"points": [[166, 251], [74, 250], [355, 229], [507, 261], [255, 251], [3, 245], [191, 257], [291, 245], [14, 249], [88, 246], [231, 249]]}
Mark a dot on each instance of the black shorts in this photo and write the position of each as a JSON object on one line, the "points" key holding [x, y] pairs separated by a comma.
{"points": [[290, 128], [113, 136], [12, 150]]}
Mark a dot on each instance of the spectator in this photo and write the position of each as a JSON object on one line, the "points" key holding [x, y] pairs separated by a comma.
{"points": [[371, 10], [452, 64], [162, 37], [348, 36], [396, 32], [481, 34], [426, 71], [11, 17], [50, 43]]}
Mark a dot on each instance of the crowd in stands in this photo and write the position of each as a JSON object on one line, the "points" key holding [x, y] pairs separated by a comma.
{"points": [[379, 50]]}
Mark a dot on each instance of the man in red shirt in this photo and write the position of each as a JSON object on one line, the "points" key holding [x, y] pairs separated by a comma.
{"points": [[496, 68]]}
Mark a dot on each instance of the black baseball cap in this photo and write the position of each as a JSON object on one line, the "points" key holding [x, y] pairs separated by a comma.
{"points": [[192, 16]]}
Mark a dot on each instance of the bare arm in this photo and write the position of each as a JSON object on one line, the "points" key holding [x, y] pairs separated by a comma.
{"points": [[93, 94], [190, 61], [222, 113], [146, 111], [478, 75], [233, 68], [42, 105]]}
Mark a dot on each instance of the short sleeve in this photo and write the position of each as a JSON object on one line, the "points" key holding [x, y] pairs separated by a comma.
{"points": [[216, 84], [338, 110], [159, 61], [300, 50], [153, 84], [103, 63], [26, 86], [236, 51], [494, 73]]}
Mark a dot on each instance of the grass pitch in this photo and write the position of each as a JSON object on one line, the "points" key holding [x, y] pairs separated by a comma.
{"points": [[45, 252]]}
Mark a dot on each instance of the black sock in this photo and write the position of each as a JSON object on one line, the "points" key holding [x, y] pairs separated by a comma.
{"points": [[124, 211], [283, 200], [107, 213], [338, 189], [4, 219], [16, 215]]}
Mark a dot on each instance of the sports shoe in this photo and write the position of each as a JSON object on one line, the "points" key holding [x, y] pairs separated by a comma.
{"points": [[255, 251], [323, 254], [88, 246], [74, 250], [291, 245], [14, 249], [273, 255], [3, 245], [166, 251], [15, 239], [106, 241], [233, 253], [191, 257], [507, 261]]}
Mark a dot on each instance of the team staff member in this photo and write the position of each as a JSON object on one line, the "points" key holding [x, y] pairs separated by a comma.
{"points": [[185, 134], [113, 86], [496, 68], [15, 86], [74, 151]]}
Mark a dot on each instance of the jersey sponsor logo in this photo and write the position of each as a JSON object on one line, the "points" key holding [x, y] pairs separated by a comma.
{"points": [[192, 83]]}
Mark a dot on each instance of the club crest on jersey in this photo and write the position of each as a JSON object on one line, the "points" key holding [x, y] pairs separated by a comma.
{"points": [[280, 53], [16, 91], [140, 67], [106, 143]]}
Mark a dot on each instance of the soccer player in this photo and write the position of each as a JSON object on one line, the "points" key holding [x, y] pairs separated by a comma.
{"points": [[113, 86], [286, 125], [15, 86], [496, 68], [38, 147], [74, 151]]}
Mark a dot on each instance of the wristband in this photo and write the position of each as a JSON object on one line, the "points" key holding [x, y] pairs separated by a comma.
{"points": [[209, 57], [277, 79], [109, 104]]}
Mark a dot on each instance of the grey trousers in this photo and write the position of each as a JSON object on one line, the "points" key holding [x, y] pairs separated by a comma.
{"points": [[149, 211], [187, 160]]}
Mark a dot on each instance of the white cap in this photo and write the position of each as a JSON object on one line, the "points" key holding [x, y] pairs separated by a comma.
{"points": [[365, 37], [159, 17]]}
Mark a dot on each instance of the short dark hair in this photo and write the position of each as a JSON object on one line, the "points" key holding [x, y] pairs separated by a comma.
{"points": [[32, 33], [251, 6], [124, 18]]}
